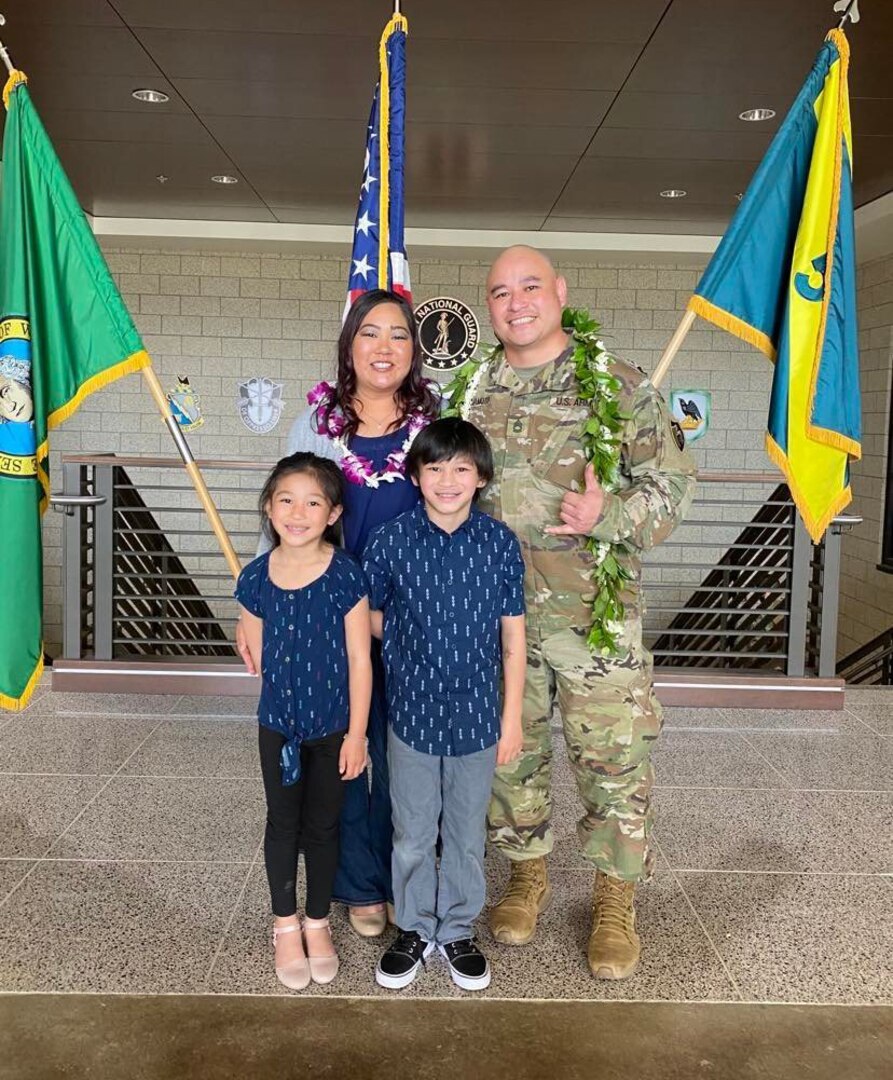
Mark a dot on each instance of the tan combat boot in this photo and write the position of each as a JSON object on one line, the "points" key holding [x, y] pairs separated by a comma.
{"points": [[613, 951], [528, 893]]}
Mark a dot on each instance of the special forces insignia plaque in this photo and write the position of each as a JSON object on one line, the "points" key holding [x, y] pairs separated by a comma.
{"points": [[260, 404], [448, 331]]}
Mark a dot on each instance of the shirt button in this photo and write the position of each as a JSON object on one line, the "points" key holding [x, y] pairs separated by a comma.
{"points": [[287, 659], [291, 626], [288, 692]]}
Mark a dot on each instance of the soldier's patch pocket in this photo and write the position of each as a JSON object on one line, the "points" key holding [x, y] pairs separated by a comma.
{"points": [[559, 459]]}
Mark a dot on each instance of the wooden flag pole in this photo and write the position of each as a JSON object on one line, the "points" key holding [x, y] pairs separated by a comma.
{"points": [[198, 481], [675, 345]]}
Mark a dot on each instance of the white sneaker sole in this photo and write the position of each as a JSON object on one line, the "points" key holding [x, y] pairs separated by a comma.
{"points": [[466, 982], [397, 982]]}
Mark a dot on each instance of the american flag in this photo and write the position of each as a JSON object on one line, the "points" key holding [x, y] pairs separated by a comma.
{"points": [[378, 260]]}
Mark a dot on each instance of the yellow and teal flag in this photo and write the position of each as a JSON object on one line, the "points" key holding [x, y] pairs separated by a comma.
{"points": [[64, 332], [784, 279]]}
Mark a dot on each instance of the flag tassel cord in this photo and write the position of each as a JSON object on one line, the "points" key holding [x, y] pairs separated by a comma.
{"points": [[155, 388]]}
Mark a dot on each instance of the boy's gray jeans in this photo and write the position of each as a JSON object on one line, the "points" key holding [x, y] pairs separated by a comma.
{"points": [[454, 791]]}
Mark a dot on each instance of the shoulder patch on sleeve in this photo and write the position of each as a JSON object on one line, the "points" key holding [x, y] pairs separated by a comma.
{"points": [[678, 434]]}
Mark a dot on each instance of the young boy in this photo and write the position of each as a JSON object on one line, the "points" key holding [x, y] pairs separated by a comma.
{"points": [[446, 581]]}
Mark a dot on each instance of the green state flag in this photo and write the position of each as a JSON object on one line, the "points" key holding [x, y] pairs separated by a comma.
{"points": [[64, 332]]}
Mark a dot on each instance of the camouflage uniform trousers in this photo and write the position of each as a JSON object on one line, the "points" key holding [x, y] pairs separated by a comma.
{"points": [[611, 720]]}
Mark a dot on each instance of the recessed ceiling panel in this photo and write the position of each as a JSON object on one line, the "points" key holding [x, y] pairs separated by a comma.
{"points": [[124, 127], [499, 176], [52, 48], [872, 169], [75, 91], [597, 21], [312, 60], [684, 145], [671, 111], [239, 133], [582, 109], [702, 221], [59, 13], [634, 185]]}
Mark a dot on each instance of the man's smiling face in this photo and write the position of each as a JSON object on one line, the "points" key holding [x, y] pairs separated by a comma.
{"points": [[525, 298]]}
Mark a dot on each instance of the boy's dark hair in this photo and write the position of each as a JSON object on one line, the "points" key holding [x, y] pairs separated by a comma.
{"points": [[448, 438], [321, 469]]}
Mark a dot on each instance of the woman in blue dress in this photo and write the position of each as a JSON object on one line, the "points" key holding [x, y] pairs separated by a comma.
{"points": [[366, 423]]}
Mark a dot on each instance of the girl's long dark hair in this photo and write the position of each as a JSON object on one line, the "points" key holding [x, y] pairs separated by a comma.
{"points": [[413, 394], [330, 480]]}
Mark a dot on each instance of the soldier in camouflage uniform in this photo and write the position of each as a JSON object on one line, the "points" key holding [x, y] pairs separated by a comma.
{"points": [[526, 403]]}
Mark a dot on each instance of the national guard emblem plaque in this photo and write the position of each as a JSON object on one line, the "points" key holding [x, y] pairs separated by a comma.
{"points": [[185, 405], [691, 410], [260, 404], [448, 332]]}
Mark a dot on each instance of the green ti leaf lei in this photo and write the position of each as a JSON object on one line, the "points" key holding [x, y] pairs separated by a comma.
{"points": [[601, 445]]}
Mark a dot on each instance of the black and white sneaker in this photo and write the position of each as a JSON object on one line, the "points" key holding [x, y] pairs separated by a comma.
{"points": [[400, 964], [469, 968]]}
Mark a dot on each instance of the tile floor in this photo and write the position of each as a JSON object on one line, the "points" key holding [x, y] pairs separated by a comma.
{"points": [[130, 862]]}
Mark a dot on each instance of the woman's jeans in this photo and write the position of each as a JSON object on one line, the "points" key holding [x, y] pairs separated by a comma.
{"points": [[364, 869]]}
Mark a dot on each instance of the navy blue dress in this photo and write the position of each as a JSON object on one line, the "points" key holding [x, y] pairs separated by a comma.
{"points": [[364, 867], [304, 667]]}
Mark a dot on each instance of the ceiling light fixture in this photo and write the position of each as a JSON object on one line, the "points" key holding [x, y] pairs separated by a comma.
{"points": [[755, 115], [673, 193], [223, 178], [161, 178], [152, 97]]}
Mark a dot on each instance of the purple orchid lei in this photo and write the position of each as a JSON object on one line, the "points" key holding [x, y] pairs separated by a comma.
{"points": [[356, 468]]}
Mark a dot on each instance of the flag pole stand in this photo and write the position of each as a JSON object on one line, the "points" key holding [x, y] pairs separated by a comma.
{"points": [[675, 345]]}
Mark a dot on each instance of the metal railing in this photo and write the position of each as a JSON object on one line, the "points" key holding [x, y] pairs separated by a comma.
{"points": [[871, 663], [737, 586]]}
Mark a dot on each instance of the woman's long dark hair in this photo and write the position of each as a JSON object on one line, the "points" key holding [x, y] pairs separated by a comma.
{"points": [[325, 472], [413, 394]]}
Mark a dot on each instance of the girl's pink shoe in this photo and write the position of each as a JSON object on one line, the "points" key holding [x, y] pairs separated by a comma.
{"points": [[296, 973], [323, 969]]}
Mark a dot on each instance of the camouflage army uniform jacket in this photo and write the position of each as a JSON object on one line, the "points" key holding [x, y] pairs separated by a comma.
{"points": [[534, 428]]}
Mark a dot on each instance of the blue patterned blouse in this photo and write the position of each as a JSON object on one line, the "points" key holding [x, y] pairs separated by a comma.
{"points": [[304, 692], [443, 595]]}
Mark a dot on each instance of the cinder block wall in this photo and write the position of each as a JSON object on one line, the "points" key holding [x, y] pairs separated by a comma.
{"points": [[866, 602], [221, 319]]}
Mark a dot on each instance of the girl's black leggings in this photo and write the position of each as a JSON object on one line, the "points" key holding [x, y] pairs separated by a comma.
{"points": [[303, 816]]}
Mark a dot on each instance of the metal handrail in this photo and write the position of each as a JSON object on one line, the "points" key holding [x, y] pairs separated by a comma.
{"points": [[140, 580]]}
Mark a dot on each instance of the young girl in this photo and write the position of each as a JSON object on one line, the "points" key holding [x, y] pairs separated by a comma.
{"points": [[306, 617]]}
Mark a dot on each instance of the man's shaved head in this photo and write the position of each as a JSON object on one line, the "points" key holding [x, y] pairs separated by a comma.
{"points": [[525, 297], [520, 251]]}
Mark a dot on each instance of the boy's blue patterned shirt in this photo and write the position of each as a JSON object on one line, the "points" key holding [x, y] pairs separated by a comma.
{"points": [[443, 596], [304, 669]]}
